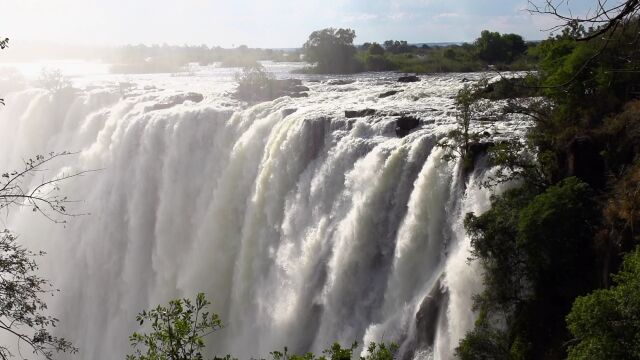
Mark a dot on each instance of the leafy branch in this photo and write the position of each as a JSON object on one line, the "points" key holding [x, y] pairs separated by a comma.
{"points": [[21, 303], [44, 197]]}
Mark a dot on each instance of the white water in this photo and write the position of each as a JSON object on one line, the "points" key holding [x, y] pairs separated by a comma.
{"points": [[303, 230]]}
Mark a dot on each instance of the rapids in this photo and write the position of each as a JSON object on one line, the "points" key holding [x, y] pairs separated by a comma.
{"points": [[302, 226]]}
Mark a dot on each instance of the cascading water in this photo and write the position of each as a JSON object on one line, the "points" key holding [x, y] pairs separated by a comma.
{"points": [[302, 226]]}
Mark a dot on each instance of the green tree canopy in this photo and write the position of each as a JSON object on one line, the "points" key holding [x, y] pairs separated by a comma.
{"points": [[606, 323], [332, 50], [494, 47], [177, 331], [375, 49]]}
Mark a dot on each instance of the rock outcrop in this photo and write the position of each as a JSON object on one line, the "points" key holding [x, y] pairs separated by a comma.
{"points": [[408, 79], [389, 93], [349, 114], [405, 124]]}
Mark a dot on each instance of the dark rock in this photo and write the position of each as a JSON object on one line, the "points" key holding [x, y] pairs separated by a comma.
{"points": [[298, 88], [487, 118], [340, 82], [349, 114], [585, 162], [490, 88], [389, 93], [428, 315], [405, 124], [174, 100], [479, 148], [195, 97], [464, 80], [408, 79], [272, 89], [287, 112]]}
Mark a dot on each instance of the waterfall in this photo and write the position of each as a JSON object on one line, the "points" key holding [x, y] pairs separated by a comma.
{"points": [[303, 227]]}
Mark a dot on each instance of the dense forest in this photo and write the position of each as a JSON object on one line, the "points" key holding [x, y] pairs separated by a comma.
{"points": [[560, 251]]}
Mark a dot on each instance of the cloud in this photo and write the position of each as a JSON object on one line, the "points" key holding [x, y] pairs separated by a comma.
{"points": [[363, 17], [401, 16], [448, 15]]}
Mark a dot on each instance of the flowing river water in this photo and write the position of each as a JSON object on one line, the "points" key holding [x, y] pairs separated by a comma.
{"points": [[302, 226]]}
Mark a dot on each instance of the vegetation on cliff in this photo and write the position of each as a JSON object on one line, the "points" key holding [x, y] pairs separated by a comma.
{"points": [[550, 248]]}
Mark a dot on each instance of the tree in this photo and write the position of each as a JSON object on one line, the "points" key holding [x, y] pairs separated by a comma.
{"points": [[602, 18], [337, 352], [375, 60], [493, 47], [43, 198], [398, 47], [332, 50], [534, 249], [375, 49], [177, 331], [22, 308], [4, 43], [606, 323], [458, 142], [53, 80], [254, 83]]}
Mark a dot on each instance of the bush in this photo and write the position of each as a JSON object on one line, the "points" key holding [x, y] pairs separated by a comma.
{"points": [[254, 83], [177, 330]]}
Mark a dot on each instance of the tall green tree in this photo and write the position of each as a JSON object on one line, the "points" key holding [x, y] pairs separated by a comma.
{"points": [[332, 50], [494, 47]]}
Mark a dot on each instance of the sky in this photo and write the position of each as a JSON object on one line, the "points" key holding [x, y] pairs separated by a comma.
{"points": [[263, 23]]}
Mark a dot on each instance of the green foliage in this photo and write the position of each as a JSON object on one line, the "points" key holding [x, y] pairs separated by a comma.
{"points": [[588, 80], [494, 47], [535, 252], [177, 331], [375, 49], [546, 243], [374, 62], [485, 341], [254, 83], [22, 308], [398, 47], [458, 142], [606, 323], [337, 352], [332, 50]]}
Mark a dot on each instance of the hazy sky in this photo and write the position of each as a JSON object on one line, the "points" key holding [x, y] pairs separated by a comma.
{"points": [[261, 23]]}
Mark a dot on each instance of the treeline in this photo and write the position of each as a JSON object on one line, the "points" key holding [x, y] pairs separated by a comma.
{"points": [[165, 58], [560, 252], [332, 51]]}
